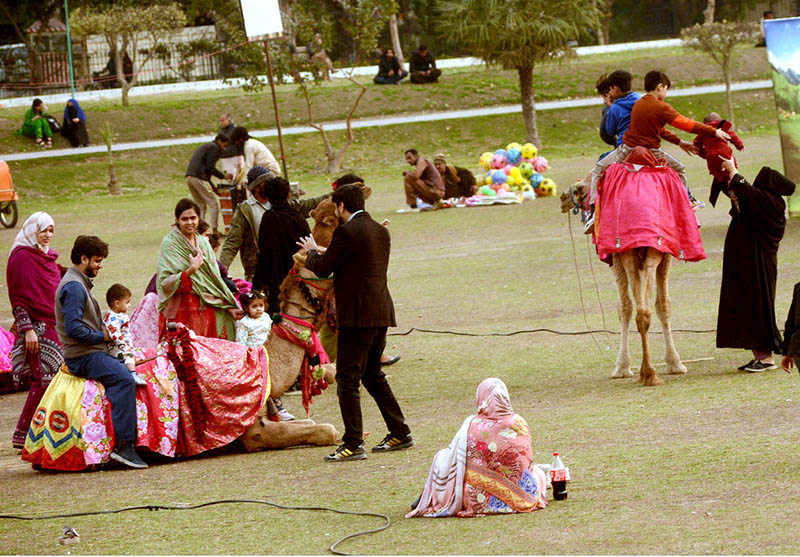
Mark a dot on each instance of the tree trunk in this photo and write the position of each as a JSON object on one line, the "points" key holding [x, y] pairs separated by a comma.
{"points": [[605, 23], [126, 87], [398, 50], [726, 75], [528, 105], [113, 184], [708, 13], [601, 39]]}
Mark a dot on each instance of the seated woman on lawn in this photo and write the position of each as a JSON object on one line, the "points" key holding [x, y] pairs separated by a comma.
{"points": [[74, 126], [488, 467], [190, 288], [36, 125]]}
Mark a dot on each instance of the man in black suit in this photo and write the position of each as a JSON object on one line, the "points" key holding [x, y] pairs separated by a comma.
{"points": [[358, 256]]}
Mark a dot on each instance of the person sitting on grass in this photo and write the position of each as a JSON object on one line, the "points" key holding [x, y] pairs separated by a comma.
{"points": [[423, 186], [488, 467], [389, 70], [458, 181], [74, 125], [648, 117], [423, 66], [36, 125]]}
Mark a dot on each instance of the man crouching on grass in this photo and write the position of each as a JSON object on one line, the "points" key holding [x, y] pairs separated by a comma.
{"points": [[358, 257]]}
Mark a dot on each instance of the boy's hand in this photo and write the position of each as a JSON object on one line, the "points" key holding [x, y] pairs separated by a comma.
{"points": [[787, 363], [722, 134], [689, 148]]}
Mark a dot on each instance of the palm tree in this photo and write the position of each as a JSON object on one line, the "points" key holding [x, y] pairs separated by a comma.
{"points": [[518, 34]]}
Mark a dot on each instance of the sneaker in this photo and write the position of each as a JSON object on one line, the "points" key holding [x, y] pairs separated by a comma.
{"points": [[344, 453], [284, 415], [128, 456], [757, 366], [422, 206], [394, 443], [138, 379], [747, 365], [697, 204], [588, 224]]}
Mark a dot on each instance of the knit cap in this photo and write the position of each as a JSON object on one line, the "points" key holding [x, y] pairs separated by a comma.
{"points": [[256, 172]]}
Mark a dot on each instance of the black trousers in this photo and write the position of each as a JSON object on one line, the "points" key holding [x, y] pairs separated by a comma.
{"points": [[417, 77], [359, 361]]}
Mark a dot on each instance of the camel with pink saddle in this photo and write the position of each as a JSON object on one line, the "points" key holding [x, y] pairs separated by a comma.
{"points": [[644, 220]]}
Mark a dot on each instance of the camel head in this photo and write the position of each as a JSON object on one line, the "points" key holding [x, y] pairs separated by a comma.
{"points": [[305, 295], [325, 222]]}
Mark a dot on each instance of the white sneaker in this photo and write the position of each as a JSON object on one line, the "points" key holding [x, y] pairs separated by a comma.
{"points": [[284, 415], [138, 379], [422, 206]]}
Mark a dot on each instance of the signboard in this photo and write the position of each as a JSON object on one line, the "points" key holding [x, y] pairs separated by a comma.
{"points": [[783, 51], [261, 17]]}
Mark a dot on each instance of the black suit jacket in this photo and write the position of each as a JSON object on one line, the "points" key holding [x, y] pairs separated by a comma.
{"points": [[358, 257]]}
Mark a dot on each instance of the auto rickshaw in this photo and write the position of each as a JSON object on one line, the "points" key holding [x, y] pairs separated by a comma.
{"points": [[8, 198]]}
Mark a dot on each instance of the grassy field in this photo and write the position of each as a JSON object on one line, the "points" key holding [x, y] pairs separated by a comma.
{"points": [[181, 114], [706, 463]]}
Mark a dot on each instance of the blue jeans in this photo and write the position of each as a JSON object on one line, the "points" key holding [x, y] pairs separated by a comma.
{"points": [[119, 385]]}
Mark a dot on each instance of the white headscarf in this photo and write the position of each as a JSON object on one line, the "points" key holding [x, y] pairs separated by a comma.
{"points": [[30, 229]]}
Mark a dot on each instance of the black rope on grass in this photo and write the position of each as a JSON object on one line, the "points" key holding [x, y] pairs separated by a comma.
{"points": [[332, 548], [538, 330]]}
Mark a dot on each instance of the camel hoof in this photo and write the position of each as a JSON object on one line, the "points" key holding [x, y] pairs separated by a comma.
{"points": [[680, 369], [620, 373], [653, 382]]}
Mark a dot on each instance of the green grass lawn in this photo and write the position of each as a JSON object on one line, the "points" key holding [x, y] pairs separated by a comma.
{"points": [[706, 463], [182, 114]]}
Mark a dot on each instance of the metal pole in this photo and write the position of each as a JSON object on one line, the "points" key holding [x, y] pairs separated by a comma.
{"points": [[69, 51], [275, 106]]}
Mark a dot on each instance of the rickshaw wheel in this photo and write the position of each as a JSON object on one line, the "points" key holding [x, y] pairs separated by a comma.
{"points": [[9, 214]]}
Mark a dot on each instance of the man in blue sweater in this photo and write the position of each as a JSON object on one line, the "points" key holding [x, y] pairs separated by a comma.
{"points": [[79, 325]]}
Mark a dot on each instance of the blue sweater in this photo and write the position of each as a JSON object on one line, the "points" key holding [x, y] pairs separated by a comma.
{"points": [[618, 118]]}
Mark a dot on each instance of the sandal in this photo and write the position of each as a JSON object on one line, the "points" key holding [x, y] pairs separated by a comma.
{"points": [[40, 142], [49, 142]]}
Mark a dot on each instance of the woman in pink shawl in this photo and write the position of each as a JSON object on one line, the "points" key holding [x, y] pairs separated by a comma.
{"points": [[488, 466], [32, 276]]}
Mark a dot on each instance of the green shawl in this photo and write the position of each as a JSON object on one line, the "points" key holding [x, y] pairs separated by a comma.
{"points": [[207, 283]]}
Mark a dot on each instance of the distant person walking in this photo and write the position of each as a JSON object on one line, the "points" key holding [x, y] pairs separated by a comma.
{"points": [[423, 66], [198, 178], [389, 70]]}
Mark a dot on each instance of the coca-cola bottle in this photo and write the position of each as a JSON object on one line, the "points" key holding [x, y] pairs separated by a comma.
{"points": [[558, 478]]}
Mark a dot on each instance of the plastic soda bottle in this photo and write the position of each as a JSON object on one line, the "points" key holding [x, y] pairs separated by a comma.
{"points": [[558, 478]]}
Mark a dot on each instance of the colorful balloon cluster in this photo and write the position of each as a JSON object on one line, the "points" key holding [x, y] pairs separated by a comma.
{"points": [[517, 169]]}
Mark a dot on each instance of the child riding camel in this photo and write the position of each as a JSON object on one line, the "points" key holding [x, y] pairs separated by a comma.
{"points": [[649, 116]]}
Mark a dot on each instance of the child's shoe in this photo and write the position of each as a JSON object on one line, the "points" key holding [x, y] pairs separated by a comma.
{"points": [[588, 221], [138, 379], [696, 204]]}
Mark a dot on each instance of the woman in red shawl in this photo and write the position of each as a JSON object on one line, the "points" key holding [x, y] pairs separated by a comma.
{"points": [[37, 353], [488, 467]]}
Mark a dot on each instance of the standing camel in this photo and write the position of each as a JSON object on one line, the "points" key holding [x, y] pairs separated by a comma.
{"points": [[663, 211]]}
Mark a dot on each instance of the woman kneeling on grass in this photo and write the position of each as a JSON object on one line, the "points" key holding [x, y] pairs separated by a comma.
{"points": [[488, 467], [190, 288]]}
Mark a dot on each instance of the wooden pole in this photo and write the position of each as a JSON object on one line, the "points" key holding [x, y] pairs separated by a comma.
{"points": [[275, 107]]}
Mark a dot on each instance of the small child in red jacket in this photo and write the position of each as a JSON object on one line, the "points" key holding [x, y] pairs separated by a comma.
{"points": [[712, 147]]}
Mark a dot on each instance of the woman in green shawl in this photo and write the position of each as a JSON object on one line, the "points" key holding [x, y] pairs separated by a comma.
{"points": [[190, 288], [36, 125]]}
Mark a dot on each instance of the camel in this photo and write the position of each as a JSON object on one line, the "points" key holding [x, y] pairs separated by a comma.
{"points": [[306, 296], [637, 270]]}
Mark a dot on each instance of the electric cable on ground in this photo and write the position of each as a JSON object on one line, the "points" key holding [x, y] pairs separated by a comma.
{"points": [[332, 548]]}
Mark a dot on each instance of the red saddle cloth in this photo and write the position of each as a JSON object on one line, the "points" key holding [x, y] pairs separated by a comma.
{"points": [[644, 206]]}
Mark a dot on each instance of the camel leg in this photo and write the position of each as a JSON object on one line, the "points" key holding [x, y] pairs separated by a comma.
{"points": [[265, 434], [664, 312], [643, 282], [625, 312]]}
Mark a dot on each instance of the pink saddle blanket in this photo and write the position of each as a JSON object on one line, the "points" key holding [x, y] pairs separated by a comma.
{"points": [[641, 206]]}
